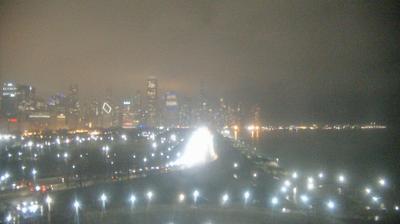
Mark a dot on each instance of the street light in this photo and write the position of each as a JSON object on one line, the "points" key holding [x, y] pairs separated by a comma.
{"points": [[331, 205], [274, 201], [196, 194], [132, 199], [382, 182], [77, 205], [246, 196], [103, 199], [181, 197], [341, 178], [304, 198], [225, 199], [149, 195]]}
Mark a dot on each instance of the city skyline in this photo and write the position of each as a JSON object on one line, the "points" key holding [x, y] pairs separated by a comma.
{"points": [[341, 67]]}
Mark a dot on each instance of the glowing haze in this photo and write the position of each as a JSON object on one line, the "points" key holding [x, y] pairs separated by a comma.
{"points": [[199, 149]]}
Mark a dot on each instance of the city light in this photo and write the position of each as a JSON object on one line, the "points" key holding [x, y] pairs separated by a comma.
{"points": [[48, 200], [225, 199], [196, 194], [103, 199], [8, 218], [181, 197], [304, 198], [34, 172], [274, 201], [132, 199], [382, 182], [77, 205], [149, 195], [341, 178], [246, 196], [331, 205]]}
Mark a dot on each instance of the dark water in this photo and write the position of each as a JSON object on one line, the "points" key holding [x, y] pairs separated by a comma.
{"points": [[363, 155]]}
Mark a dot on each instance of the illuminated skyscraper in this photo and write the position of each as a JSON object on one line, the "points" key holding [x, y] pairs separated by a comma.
{"points": [[9, 101], [151, 104], [73, 107], [171, 110]]}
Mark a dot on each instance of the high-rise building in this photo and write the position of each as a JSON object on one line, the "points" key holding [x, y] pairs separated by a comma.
{"points": [[9, 103], [128, 116], [73, 107], [171, 110], [26, 98], [151, 102]]}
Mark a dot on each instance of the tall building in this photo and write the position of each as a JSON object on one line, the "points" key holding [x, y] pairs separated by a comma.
{"points": [[73, 107], [9, 103], [128, 116], [151, 102], [170, 110], [26, 98]]}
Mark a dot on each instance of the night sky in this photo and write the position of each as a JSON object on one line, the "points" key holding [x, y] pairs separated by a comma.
{"points": [[301, 61]]}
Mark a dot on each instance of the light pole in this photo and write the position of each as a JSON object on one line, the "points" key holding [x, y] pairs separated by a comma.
{"points": [[103, 199], [246, 197], [196, 195], [77, 205], [132, 199]]}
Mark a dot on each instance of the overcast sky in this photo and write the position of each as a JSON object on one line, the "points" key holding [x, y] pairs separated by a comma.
{"points": [[299, 60]]}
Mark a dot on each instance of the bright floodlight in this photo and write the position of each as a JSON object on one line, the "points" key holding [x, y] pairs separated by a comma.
{"points": [[199, 148], [34, 172], [382, 182], [149, 195], [368, 190], [375, 199], [321, 175], [396, 208], [295, 175], [181, 197], [330, 204]]}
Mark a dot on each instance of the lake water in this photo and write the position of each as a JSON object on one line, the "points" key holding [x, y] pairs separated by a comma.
{"points": [[362, 155]]}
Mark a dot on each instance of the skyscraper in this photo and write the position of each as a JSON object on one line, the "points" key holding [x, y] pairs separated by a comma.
{"points": [[151, 102], [170, 110], [73, 107], [9, 101]]}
